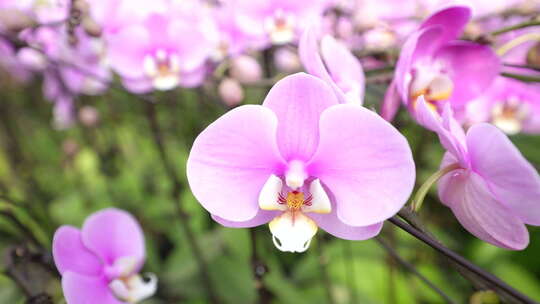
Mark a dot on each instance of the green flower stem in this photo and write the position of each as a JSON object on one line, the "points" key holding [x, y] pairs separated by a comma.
{"points": [[418, 199]]}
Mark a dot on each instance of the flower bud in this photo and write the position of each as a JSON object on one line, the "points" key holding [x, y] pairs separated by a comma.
{"points": [[88, 116], [533, 55], [286, 60], [91, 27], [231, 92], [14, 20], [245, 69]]}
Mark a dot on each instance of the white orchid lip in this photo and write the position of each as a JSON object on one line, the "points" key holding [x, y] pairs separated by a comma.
{"points": [[280, 27], [509, 116], [293, 230], [134, 289], [163, 68]]}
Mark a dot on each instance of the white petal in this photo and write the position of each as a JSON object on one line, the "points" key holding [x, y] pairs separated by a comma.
{"points": [[292, 231], [150, 66], [440, 88], [320, 202], [269, 195], [166, 82], [134, 289]]}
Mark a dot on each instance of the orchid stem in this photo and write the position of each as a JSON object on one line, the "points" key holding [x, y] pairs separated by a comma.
{"points": [[525, 78], [259, 270], [175, 195], [486, 276], [409, 267], [518, 26], [505, 48], [323, 262], [420, 195]]}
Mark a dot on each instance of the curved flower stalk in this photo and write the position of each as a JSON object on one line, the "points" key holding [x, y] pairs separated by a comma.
{"points": [[334, 64], [100, 262], [493, 191], [434, 64], [302, 161]]}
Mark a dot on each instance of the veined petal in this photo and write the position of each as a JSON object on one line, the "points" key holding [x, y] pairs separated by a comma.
{"points": [[70, 254], [113, 234], [365, 163], [292, 231], [81, 289], [231, 161], [269, 196], [391, 102], [477, 209], [512, 179], [298, 101], [320, 202]]}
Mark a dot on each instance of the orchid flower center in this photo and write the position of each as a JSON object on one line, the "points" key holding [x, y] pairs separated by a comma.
{"points": [[280, 27], [292, 230], [163, 68], [431, 82], [509, 115], [128, 286]]}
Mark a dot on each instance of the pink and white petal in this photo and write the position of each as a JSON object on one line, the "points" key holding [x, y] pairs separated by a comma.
{"points": [[471, 66], [310, 57], [126, 49], [417, 46], [231, 160], [391, 102], [262, 217], [512, 179], [81, 289], [448, 159], [343, 67], [333, 225], [298, 101], [193, 78], [478, 210], [112, 234], [365, 163], [452, 19], [70, 254]]}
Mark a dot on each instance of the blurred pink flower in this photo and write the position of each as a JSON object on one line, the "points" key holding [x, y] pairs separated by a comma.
{"points": [[434, 64], [100, 262], [334, 64], [299, 161], [493, 191]]}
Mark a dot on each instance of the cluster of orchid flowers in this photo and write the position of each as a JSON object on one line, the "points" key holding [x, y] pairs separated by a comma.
{"points": [[311, 155]]}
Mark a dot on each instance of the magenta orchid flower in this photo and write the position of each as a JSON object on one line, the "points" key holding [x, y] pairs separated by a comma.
{"points": [[161, 53], [490, 187], [334, 64], [100, 262], [509, 104], [299, 161], [434, 64]]}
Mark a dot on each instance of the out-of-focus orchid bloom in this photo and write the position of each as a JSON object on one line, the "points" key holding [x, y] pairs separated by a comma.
{"points": [[434, 64], [278, 21], [492, 190], [334, 64], [10, 64], [161, 53], [100, 262], [245, 69], [287, 60], [299, 161], [232, 40], [42, 11], [511, 105]]}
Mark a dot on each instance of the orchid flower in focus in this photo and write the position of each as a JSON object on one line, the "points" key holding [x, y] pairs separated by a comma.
{"points": [[434, 64], [334, 64], [100, 262], [491, 188], [302, 161]]}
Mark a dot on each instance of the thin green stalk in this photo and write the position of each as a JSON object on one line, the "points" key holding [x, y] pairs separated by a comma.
{"points": [[420, 195]]}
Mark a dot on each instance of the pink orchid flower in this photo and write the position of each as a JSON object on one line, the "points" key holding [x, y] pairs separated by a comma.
{"points": [[434, 64], [334, 64], [100, 262], [492, 190], [161, 53], [299, 161]]}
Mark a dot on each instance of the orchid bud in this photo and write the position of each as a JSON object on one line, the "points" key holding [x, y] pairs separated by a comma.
{"points": [[286, 60], [14, 20], [88, 116], [533, 55], [245, 69], [81, 6], [91, 27], [32, 59], [231, 92]]}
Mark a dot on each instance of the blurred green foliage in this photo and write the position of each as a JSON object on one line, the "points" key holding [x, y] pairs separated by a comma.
{"points": [[50, 178]]}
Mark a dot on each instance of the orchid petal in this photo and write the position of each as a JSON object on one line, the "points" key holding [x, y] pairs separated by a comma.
{"points": [[365, 163], [81, 289], [452, 19], [70, 254], [391, 102], [232, 159], [262, 217], [270, 194], [292, 231]]}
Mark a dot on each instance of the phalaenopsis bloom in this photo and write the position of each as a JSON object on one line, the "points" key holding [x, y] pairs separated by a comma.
{"points": [[433, 63], [100, 262], [491, 188], [299, 161]]}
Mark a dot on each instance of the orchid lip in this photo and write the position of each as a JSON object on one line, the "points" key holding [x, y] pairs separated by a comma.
{"points": [[163, 68], [135, 288]]}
